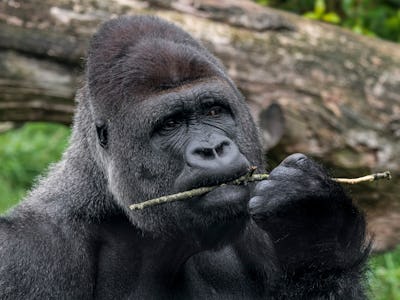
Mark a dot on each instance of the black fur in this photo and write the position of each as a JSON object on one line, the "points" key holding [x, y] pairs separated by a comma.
{"points": [[158, 114]]}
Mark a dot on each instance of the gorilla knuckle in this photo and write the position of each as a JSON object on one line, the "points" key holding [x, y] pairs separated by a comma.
{"points": [[285, 173], [256, 205], [296, 160], [262, 187]]}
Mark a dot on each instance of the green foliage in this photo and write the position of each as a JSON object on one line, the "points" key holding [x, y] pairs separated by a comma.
{"points": [[368, 17], [24, 154], [381, 18], [385, 276], [320, 13]]}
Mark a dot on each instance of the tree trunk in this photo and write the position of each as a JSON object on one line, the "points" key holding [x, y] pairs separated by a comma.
{"points": [[340, 92]]}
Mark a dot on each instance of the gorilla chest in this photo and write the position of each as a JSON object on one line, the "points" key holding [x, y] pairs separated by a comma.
{"points": [[220, 275], [213, 275]]}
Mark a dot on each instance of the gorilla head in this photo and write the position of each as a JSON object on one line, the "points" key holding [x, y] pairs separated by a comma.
{"points": [[163, 116]]}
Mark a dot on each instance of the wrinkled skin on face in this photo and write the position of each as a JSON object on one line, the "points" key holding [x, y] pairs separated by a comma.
{"points": [[187, 143]]}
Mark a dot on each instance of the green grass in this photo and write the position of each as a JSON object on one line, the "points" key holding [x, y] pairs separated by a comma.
{"points": [[26, 152], [384, 278]]}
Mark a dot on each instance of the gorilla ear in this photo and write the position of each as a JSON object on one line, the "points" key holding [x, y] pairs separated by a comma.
{"points": [[102, 133], [272, 123]]}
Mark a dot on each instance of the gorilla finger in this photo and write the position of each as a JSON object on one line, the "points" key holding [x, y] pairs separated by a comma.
{"points": [[282, 173], [296, 160], [268, 204], [256, 205], [304, 163], [262, 187]]}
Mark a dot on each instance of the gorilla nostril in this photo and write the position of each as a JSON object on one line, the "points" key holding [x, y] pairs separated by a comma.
{"points": [[220, 149], [212, 153], [205, 153]]}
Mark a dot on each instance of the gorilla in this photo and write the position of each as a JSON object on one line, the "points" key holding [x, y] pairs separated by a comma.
{"points": [[157, 114]]}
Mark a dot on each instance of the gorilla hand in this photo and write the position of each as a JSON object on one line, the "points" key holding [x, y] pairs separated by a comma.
{"points": [[310, 220]]}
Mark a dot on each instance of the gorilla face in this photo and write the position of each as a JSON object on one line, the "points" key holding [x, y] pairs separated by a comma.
{"points": [[169, 120], [201, 134]]}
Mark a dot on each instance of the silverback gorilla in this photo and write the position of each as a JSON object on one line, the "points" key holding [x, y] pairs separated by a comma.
{"points": [[158, 114]]}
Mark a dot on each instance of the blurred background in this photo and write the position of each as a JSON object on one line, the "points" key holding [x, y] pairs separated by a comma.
{"points": [[333, 70]]}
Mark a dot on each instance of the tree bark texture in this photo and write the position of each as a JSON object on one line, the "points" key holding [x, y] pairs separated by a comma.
{"points": [[339, 92]]}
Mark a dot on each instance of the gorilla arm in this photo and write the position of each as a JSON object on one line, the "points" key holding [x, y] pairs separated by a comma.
{"points": [[317, 233]]}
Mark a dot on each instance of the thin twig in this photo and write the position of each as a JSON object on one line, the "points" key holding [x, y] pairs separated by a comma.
{"points": [[371, 177], [197, 192], [244, 180]]}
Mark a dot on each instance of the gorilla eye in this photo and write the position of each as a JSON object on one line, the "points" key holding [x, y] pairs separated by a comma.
{"points": [[215, 111], [171, 124]]}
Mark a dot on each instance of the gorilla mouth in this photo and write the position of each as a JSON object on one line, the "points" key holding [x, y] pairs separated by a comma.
{"points": [[230, 196], [195, 191], [225, 192], [187, 182], [209, 182], [223, 205]]}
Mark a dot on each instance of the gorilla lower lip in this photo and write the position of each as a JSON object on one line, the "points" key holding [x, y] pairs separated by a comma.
{"points": [[228, 196], [208, 181]]}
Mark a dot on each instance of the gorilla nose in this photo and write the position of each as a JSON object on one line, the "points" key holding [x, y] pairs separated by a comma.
{"points": [[212, 152], [218, 152], [211, 162]]}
